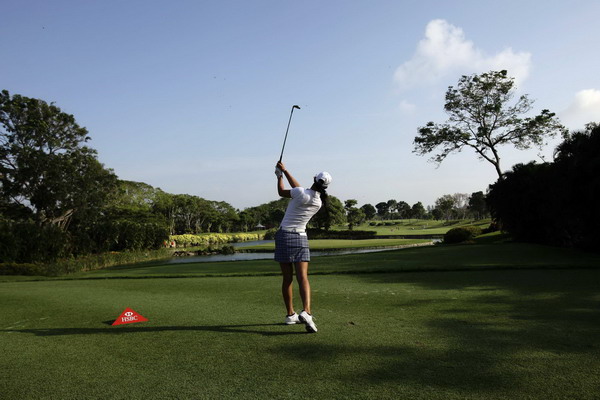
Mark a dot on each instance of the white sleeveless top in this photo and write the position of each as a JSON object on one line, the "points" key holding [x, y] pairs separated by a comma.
{"points": [[304, 204]]}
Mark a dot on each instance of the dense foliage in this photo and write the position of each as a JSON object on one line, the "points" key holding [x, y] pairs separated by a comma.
{"points": [[554, 203]]}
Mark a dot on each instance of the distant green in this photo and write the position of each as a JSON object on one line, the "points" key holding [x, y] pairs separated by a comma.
{"points": [[419, 226]]}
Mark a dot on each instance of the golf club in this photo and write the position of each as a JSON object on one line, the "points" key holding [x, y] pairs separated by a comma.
{"points": [[286, 131]]}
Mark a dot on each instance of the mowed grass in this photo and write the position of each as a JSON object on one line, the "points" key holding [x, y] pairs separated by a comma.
{"points": [[419, 226], [474, 328]]}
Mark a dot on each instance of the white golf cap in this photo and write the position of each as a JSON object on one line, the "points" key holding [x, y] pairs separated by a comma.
{"points": [[325, 177]]}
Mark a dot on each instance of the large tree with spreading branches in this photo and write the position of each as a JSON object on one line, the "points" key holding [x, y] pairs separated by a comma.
{"points": [[483, 116]]}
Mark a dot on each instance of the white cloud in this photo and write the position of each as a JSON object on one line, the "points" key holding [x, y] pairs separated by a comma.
{"points": [[406, 107], [444, 50], [584, 108]]}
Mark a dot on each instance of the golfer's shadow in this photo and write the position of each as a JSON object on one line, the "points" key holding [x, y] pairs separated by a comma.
{"points": [[119, 330]]}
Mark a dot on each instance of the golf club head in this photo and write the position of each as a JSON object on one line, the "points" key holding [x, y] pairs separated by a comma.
{"points": [[295, 106]]}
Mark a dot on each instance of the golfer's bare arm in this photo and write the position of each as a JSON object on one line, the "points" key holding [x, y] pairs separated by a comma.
{"points": [[280, 185]]}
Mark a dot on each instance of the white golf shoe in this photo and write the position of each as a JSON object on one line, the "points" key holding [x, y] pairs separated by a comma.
{"points": [[307, 319], [292, 319]]}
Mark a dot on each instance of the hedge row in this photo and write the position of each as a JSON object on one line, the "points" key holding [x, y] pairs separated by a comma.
{"points": [[351, 235], [83, 263], [22, 269], [213, 239], [28, 242], [386, 223]]}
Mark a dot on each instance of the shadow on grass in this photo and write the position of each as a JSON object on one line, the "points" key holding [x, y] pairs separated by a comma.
{"points": [[456, 370], [490, 334], [259, 329], [498, 328]]}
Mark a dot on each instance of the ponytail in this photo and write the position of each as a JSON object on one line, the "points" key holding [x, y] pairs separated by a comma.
{"points": [[320, 187]]}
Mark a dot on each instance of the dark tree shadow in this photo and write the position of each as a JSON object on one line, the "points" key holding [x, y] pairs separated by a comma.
{"points": [[137, 328], [505, 314]]}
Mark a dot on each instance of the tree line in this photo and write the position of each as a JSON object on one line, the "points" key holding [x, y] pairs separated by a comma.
{"points": [[555, 202], [58, 200]]}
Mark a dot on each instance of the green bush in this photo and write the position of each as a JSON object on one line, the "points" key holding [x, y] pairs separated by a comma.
{"points": [[461, 234], [227, 250], [103, 260], [22, 269], [209, 239], [270, 235]]}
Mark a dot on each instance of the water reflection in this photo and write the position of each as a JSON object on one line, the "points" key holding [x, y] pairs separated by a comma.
{"points": [[265, 256]]}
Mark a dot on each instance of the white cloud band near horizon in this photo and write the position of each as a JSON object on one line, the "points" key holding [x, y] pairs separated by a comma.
{"points": [[585, 108], [445, 50]]}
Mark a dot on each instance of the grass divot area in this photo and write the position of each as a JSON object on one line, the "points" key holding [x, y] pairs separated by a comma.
{"points": [[429, 335]]}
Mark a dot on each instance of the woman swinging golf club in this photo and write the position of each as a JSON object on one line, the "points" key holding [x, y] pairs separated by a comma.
{"points": [[291, 242]]}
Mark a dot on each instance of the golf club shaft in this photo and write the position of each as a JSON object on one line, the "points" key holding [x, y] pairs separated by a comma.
{"points": [[286, 132]]}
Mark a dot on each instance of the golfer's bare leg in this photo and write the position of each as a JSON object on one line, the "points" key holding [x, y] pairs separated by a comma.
{"points": [[302, 276], [287, 270]]}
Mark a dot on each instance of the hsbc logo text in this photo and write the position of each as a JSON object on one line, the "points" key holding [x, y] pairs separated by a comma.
{"points": [[129, 317]]}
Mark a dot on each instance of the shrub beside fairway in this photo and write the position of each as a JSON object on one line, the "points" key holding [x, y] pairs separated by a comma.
{"points": [[207, 239], [83, 263], [461, 234]]}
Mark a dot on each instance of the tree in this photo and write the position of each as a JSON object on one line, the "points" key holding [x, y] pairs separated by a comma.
{"points": [[369, 211], [418, 211], [481, 117], [166, 206], [269, 214], [445, 206], [246, 221], [403, 209], [332, 213], [477, 205], [554, 203], [45, 167], [382, 209], [461, 202], [391, 206], [355, 216]]}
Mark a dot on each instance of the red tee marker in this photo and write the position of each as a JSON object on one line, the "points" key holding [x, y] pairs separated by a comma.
{"points": [[129, 317]]}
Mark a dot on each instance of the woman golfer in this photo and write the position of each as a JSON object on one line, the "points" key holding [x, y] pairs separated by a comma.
{"points": [[291, 242]]}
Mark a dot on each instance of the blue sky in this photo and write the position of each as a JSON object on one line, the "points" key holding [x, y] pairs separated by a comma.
{"points": [[194, 96]]}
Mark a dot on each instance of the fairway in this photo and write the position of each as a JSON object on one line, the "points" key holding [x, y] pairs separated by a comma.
{"points": [[491, 334]]}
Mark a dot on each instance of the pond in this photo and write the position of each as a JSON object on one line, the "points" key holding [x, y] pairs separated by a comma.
{"points": [[265, 256]]}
